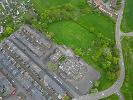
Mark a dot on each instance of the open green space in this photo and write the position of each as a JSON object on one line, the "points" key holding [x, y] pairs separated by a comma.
{"points": [[112, 97], [99, 23], [127, 88], [71, 34], [127, 21], [45, 4], [41, 5]]}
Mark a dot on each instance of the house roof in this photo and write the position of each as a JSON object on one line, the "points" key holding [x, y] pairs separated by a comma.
{"points": [[1, 29]]}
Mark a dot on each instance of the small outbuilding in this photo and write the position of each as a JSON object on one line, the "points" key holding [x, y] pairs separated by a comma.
{"points": [[1, 29]]}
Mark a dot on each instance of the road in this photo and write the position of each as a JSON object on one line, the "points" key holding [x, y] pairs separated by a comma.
{"points": [[128, 34], [120, 95], [118, 84]]}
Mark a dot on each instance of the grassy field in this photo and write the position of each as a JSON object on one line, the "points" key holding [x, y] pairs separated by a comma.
{"points": [[127, 22], [71, 34], [100, 23], [127, 88], [112, 97], [45, 4]]}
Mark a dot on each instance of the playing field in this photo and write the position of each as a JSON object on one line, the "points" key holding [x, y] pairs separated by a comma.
{"points": [[127, 22], [101, 24], [71, 34], [40, 5], [127, 88]]}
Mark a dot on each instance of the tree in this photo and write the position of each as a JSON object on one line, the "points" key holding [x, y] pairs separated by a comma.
{"points": [[111, 76], [115, 60], [68, 7], [8, 30], [82, 3], [50, 35], [79, 51], [66, 97], [106, 64]]}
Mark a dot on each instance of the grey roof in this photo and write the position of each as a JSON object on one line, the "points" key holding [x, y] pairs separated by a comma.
{"points": [[37, 95], [54, 85]]}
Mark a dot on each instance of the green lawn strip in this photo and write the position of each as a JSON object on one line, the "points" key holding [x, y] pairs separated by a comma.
{"points": [[127, 88], [99, 23], [127, 21], [112, 97]]}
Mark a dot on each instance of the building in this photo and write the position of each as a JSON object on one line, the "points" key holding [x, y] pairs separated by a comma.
{"points": [[1, 29], [102, 7]]}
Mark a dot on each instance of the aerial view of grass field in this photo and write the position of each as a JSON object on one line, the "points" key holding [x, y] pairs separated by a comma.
{"points": [[127, 21]]}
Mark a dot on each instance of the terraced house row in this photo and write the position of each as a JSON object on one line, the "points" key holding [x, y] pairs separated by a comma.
{"points": [[43, 69]]}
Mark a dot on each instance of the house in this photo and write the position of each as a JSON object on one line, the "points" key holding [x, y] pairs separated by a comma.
{"points": [[1, 29]]}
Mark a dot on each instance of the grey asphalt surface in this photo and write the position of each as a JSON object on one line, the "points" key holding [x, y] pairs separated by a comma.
{"points": [[128, 34], [117, 85], [120, 95]]}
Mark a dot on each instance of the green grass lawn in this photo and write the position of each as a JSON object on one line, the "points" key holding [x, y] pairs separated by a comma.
{"points": [[45, 4], [71, 34], [100, 23], [112, 97], [78, 33], [127, 22], [127, 88]]}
